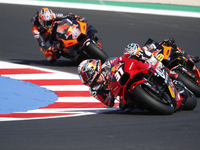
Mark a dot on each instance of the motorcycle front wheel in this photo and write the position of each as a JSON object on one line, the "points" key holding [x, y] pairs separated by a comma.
{"points": [[152, 101]]}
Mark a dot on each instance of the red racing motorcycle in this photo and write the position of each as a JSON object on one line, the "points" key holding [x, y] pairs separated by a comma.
{"points": [[140, 85]]}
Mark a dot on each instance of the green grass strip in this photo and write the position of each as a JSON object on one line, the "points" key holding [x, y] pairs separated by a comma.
{"points": [[136, 5]]}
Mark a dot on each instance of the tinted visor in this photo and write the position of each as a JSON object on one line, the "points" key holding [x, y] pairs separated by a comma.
{"points": [[47, 24]]}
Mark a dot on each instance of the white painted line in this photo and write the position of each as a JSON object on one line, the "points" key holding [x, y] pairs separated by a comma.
{"points": [[6, 65], [3, 65], [37, 118], [74, 110], [78, 99], [73, 88]]}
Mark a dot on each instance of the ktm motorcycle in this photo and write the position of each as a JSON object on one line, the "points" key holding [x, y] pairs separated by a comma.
{"points": [[140, 85], [177, 60], [78, 41]]}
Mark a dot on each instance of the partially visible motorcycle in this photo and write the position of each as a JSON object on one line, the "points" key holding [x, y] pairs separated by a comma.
{"points": [[177, 60], [78, 41], [140, 85]]}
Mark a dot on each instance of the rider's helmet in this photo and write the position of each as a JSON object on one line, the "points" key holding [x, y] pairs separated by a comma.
{"points": [[131, 50], [89, 71], [46, 18]]}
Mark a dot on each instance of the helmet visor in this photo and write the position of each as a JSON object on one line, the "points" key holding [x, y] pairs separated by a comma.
{"points": [[87, 77], [46, 24]]}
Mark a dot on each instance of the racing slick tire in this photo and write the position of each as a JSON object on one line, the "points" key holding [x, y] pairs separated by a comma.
{"points": [[191, 101], [192, 85], [95, 51], [151, 102]]}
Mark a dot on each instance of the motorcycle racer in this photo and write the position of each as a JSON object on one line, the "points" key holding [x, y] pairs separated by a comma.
{"points": [[43, 24], [97, 76], [168, 42], [134, 51]]}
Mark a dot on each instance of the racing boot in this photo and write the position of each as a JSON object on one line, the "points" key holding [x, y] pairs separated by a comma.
{"points": [[51, 56]]}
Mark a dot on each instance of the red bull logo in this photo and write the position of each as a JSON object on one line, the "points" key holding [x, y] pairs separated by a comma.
{"points": [[72, 30], [114, 69]]}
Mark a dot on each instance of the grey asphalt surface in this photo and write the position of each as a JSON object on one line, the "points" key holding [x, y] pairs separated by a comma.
{"points": [[113, 130]]}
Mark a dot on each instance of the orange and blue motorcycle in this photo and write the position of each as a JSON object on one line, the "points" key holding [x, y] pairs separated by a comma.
{"points": [[178, 61], [78, 41]]}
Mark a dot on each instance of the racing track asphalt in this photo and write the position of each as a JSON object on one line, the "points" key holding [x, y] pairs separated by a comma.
{"points": [[115, 130]]}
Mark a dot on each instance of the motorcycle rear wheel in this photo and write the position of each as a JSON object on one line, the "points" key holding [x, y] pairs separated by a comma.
{"points": [[190, 103], [189, 83], [153, 103], [95, 51]]}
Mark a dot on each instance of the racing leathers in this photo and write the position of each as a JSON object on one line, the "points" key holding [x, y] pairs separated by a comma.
{"points": [[45, 37]]}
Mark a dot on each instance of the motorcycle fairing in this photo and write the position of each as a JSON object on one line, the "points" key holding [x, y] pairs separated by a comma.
{"points": [[69, 35], [197, 73], [166, 51], [169, 55], [74, 36]]}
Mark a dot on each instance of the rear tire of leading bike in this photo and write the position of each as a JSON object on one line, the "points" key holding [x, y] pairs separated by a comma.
{"points": [[191, 101], [95, 51], [151, 103], [191, 85], [190, 104]]}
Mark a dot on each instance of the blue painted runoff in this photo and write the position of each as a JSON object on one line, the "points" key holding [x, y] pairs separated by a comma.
{"points": [[21, 96]]}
